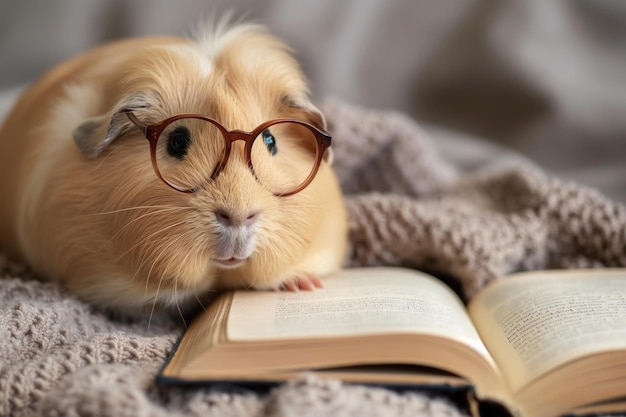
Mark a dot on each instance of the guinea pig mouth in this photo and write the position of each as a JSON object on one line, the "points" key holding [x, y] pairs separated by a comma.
{"points": [[233, 247], [230, 262]]}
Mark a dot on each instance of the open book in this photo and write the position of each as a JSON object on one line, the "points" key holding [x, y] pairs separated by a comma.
{"points": [[540, 343]]}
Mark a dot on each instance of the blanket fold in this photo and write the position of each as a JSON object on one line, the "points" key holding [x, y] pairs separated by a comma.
{"points": [[407, 207]]}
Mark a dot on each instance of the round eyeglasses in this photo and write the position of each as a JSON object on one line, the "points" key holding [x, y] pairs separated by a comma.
{"points": [[284, 155]]}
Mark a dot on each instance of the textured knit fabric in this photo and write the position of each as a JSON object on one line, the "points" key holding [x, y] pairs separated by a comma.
{"points": [[408, 207], [59, 356]]}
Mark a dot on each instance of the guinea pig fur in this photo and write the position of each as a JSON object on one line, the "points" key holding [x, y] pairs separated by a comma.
{"points": [[80, 201]]}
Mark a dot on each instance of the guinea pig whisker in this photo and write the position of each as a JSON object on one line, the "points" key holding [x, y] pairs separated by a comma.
{"points": [[177, 303], [135, 220], [251, 284], [202, 306], [162, 210], [158, 256], [150, 239], [163, 207], [156, 296], [179, 273], [148, 276]]}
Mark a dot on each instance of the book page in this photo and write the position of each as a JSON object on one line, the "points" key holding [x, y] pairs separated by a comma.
{"points": [[353, 302], [536, 321]]}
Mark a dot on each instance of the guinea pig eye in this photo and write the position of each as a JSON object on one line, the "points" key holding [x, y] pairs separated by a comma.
{"points": [[178, 142], [270, 142]]}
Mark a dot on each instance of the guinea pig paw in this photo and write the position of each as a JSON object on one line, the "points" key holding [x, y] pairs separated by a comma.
{"points": [[304, 282]]}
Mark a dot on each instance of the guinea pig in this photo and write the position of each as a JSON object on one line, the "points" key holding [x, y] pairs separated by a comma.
{"points": [[150, 171]]}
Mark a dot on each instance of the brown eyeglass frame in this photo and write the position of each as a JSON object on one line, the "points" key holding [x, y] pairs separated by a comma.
{"points": [[152, 133]]}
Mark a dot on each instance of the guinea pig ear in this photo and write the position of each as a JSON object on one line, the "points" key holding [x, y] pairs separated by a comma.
{"points": [[307, 111], [95, 134]]}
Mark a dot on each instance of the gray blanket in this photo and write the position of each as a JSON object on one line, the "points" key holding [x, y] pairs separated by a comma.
{"points": [[59, 356]]}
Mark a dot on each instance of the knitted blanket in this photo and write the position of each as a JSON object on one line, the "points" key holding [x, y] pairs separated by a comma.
{"points": [[407, 206]]}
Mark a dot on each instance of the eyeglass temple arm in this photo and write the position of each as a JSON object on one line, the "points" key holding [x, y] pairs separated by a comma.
{"points": [[135, 120]]}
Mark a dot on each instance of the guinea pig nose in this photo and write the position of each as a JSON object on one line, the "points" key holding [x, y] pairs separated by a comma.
{"points": [[230, 218]]}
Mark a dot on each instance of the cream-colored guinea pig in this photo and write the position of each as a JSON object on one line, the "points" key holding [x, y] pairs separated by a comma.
{"points": [[104, 190]]}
